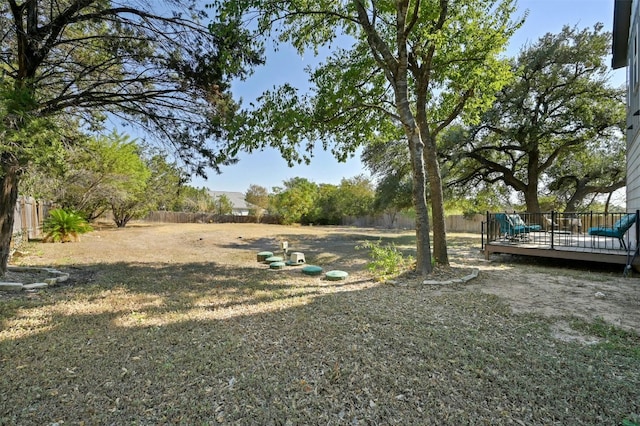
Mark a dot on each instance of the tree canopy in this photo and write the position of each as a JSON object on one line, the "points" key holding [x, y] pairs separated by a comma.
{"points": [[154, 65], [104, 173], [109, 172], [556, 128], [222, 205], [412, 68], [296, 200], [257, 195]]}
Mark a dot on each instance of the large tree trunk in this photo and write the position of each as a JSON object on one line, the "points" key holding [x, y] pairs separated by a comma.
{"points": [[578, 196], [423, 245], [440, 253], [8, 200], [396, 73], [608, 203], [531, 198], [533, 177]]}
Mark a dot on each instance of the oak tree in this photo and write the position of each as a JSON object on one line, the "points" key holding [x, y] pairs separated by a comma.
{"points": [[152, 64], [412, 65], [257, 196], [555, 127], [296, 200]]}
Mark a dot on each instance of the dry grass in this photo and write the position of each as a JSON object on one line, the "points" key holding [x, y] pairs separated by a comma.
{"points": [[180, 325]]}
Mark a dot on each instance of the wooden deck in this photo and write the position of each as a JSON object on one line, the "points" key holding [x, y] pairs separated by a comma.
{"points": [[566, 245]]}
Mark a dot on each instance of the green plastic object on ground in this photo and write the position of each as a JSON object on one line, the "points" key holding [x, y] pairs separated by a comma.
{"points": [[336, 275], [263, 255], [277, 265], [312, 270], [273, 259]]}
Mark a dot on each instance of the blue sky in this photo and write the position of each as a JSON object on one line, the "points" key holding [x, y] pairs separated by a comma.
{"points": [[268, 169]]}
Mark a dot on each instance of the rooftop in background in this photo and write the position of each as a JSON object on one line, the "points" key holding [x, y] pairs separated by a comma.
{"points": [[236, 198]]}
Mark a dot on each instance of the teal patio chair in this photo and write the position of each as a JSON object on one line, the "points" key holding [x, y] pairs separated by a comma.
{"points": [[618, 230], [513, 227]]}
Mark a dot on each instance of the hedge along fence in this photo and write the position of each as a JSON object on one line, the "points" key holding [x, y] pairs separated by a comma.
{"points": [[29, 216]]}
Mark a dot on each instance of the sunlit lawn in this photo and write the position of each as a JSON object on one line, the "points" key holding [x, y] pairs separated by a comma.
{"points": [[205, 343]]}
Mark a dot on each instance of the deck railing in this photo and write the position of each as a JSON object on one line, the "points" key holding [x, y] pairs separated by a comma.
{"points": [[564, 231]]}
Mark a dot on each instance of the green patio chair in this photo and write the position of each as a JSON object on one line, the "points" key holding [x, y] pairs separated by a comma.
{"points": [[513, 227], [618, 230]]}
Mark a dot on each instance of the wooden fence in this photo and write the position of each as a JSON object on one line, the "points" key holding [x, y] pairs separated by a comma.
{"points": [[460, 223], [456, 223], [453, 223], [29, 216], [186, 217]]}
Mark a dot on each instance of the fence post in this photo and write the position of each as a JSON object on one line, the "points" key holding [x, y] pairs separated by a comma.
{"points": [[24, 218], [553, 222], [34, 218], [490, 228], [38, 210]]}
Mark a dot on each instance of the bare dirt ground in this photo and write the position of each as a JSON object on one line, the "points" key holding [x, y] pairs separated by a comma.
{"points": [[547, 287], [558, 288]]}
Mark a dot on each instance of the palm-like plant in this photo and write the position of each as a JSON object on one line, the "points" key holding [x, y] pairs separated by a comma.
{"points": [[64, 226]]}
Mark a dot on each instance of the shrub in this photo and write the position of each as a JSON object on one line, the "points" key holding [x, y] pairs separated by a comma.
{"points": [[386, 262], [64, 226]]}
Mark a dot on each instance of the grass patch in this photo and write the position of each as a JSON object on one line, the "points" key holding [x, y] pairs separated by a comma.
{"points": [[386, 261], [200, 343], [196, 346], [614, 339]]}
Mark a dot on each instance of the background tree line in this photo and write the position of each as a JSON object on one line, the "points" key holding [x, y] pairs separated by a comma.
{"points": [[299, 200], [114, 173], [161, 66]]}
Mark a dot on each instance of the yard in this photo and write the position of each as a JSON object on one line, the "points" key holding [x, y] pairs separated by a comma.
{"points": [[179, 324]]}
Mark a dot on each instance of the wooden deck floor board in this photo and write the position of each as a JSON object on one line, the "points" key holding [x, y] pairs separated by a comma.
{"points": [[570, 247]]}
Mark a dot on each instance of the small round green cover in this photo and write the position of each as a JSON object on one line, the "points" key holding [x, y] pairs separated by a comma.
{"points": [[273, 259], [276, 265], [336, 275], [263, 255], [312, 270]]}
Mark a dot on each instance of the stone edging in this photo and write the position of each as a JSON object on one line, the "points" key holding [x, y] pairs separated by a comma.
{"points": [[474, 274], [56, 278]]}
